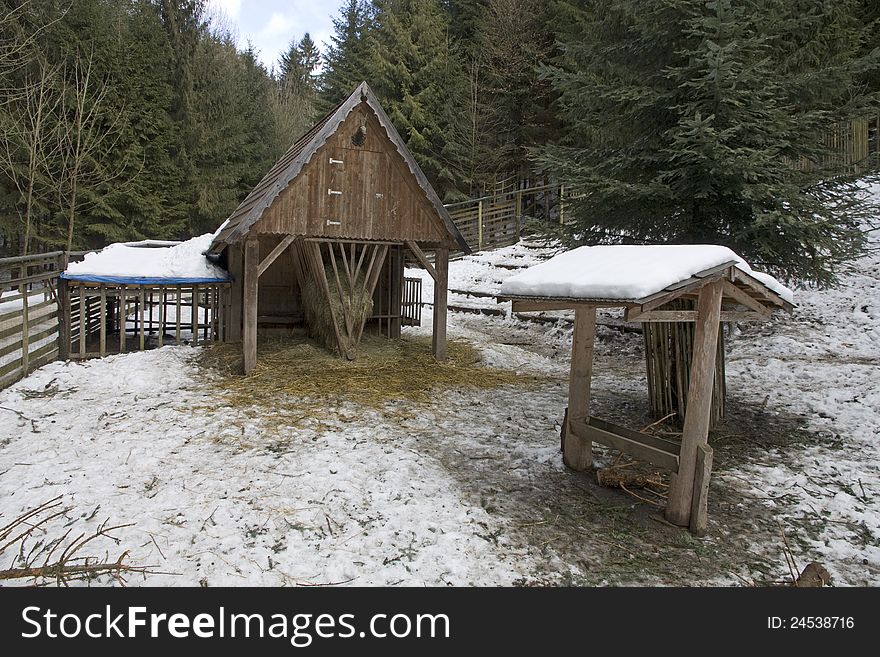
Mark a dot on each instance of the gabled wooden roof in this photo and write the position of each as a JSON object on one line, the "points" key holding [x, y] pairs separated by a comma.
{"points": [[292, 162], [740, 289]]}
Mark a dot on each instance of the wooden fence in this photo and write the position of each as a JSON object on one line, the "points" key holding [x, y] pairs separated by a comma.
{"points": [[28, 314], [854, 146], [100, 318], [494, 221], [43, 318]]}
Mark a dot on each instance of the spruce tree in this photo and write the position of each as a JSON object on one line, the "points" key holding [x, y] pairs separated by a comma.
{"points": [[686, 121], [416, 76], [347, 59]]}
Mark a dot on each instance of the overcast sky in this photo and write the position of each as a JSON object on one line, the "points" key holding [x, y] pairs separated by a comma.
{"points": [[271, 24]]}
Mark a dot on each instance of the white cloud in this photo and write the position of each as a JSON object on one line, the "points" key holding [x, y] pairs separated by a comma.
{"points": [[279, 24], [231, 8]]}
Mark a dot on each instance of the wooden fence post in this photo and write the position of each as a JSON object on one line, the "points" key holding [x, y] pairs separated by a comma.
{"points": [[64, 318], [25, 326], [480, 225], [561, 205], [518, 212]]}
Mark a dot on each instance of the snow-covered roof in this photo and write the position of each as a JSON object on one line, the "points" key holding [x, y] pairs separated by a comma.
{"points": [[626, 272], [147, 263]]}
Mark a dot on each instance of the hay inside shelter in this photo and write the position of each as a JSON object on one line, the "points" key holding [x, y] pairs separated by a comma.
{"points": [[297, 376], [354, 301]]}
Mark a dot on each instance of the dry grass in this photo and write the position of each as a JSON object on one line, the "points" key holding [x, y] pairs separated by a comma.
{"points": [[301, 380]]}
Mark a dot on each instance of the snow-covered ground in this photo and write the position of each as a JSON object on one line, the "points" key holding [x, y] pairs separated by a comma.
{"points": [[470, 489]]}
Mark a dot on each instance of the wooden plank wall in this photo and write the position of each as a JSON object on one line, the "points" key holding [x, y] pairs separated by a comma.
{"points": [[363, 192]]}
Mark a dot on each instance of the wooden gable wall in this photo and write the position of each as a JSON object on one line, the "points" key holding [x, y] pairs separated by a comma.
{"points": [[378, 197]]}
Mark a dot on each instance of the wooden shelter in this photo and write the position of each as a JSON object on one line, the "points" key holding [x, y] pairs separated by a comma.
{"points": [[723, 293], [339, 211]]}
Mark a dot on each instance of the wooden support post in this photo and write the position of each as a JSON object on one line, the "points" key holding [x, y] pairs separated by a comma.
{"points": [[163, 300], [396, 291], [64, 317], [121, 313], [699, 404], [578, 450], [102, 318], [441, 293], [236, 268], [251, 287], [699, 506], [83, 321], [177, 310], [140, 320], [194, 316]]}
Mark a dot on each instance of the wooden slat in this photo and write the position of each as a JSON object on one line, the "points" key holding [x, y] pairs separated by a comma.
{"points": [[667, 316], [194, 316], [635, 448]]}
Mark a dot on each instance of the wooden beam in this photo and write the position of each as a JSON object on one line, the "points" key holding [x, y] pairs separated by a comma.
{"points": [[641, 448], [441, 295], [423, 259], [273, 255], [83, 321], [760, 288], [251, 289], [320, 274], [739, 296], [578, 448], [632, 315], [540, 305], [371, 279], [693, 284], [699, 405], [700, 504]]}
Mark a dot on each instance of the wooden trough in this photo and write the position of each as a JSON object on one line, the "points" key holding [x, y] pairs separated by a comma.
{"points": [[723, 293]]}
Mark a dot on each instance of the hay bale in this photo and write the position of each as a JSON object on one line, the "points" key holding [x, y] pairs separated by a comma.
{"points": [[357, 303]]}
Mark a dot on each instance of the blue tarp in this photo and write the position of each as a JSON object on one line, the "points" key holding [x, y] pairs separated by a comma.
{"points": [[134, 280]]}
